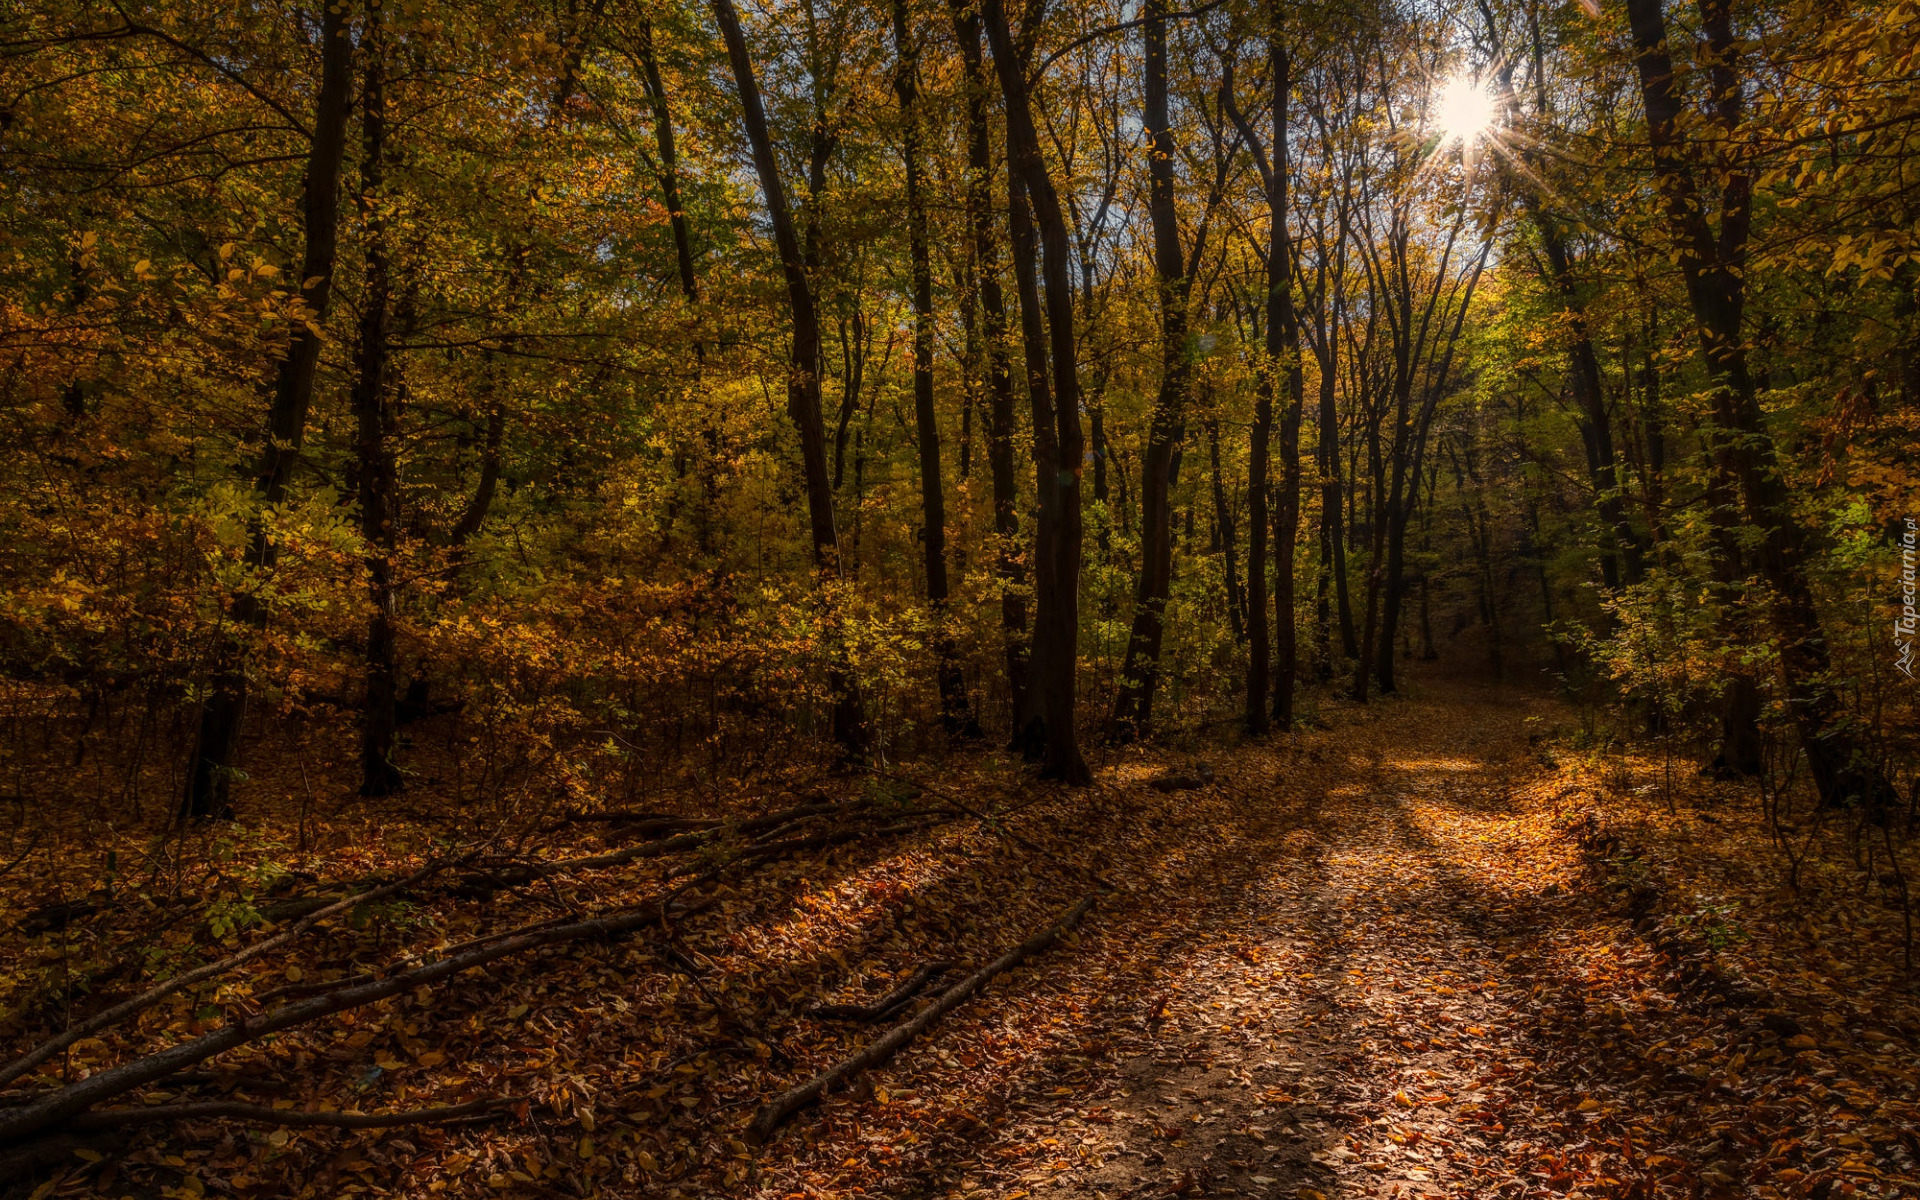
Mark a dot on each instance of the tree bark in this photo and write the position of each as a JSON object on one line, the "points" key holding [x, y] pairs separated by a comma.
{"points": [[1057, 459], [375, 420], [211, 769], [955, 711], [803, 380], [1714, 270], [993, 308], [1283, 353], [1140, 672]]}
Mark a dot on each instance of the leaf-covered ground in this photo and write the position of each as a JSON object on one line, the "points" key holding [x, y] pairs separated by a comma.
{"points": [[1410, 954]]}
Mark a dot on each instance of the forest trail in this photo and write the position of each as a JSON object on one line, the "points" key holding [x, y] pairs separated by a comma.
{"points": [[1426, 948], [1364, 980], [1413, 978], [1346, 1017]]}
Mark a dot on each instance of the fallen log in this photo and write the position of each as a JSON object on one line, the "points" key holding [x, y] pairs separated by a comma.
{"points": [[57, 1109], [775, 1112]]}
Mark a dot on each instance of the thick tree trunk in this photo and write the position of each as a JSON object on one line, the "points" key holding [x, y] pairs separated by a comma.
{"points": [[803, 380], [1714, 270], [1058, 464], [1140, 672], [955, 712], [375, 421], [211, 768], [993, 309]]}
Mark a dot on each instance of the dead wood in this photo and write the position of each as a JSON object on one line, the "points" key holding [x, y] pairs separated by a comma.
{"points": [[57, 1109], [888, 1004], [517, 873], [261, 1114], [777, 1110], [110, 1017]]}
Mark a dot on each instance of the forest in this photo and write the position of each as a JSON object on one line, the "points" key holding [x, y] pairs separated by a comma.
{"points": [[976, 599]]}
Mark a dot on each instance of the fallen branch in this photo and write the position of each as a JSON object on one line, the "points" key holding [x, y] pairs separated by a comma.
{"points": [[520, 873], [57, 1109], [991, 820], [261, 1114], [775, 1112], [888, 1004], [106, 1018]]}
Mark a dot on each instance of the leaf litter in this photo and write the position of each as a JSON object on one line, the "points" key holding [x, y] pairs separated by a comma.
{"points": [[1405, 956]]}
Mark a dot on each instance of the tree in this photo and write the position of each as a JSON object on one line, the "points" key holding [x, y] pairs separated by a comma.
{"points": [[1048, 727], [210, 775], [803, 380]]}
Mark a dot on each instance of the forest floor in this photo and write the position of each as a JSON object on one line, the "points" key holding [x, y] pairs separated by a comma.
{"points": [[1428, 949]]}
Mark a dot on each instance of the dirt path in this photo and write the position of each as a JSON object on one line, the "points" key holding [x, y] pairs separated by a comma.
{"points": [[1376, 959], [1339, 1039], [1354, 1020]]}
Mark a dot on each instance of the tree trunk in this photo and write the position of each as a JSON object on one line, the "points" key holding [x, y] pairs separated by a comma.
{"points": [[803, 381], [211, 769], [1283, 347], [993, 308], [1133, 707], [375, 420], [1223, 522], [1714, 270], [1058, 464], [955, 711]]}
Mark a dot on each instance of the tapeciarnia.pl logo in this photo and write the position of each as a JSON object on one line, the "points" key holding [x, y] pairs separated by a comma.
{"points": [[1905, 624]]}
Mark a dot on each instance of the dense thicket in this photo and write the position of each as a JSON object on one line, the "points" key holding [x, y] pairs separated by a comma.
{"points": [[648, 389]]}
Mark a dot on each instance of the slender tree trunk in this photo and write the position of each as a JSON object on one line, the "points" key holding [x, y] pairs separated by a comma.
{"points": [[1223, 521], [667, 176], [803, 381], [211, 768], [1259, 644], [375, 419], [955, 711], [993, 309], [1332, 504], [1057, 619], [1029, 726], [1139, 675], [668, 171], [1618, 540], [1283, 352]]}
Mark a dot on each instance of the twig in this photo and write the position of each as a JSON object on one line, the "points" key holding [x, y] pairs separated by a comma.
{"points": [[988, 819], [777, 1110]]}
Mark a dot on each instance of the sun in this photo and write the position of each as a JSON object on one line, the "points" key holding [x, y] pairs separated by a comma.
{"points": [[1463, 111]]}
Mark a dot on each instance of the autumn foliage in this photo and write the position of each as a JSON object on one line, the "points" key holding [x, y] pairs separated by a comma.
{"points": [[1300, 599]]}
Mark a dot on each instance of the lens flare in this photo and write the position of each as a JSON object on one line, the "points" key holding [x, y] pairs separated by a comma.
{"points": [[1463, 111]]}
